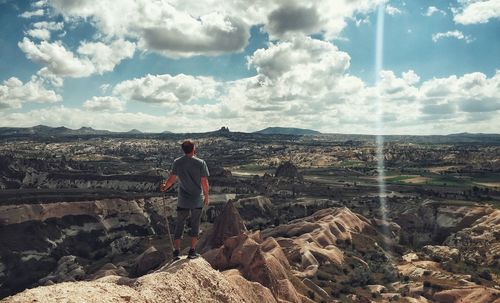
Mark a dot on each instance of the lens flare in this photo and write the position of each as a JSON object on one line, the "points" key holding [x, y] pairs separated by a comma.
{"points": [[379, 49]]}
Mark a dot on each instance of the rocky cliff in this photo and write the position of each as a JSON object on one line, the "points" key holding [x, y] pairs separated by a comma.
{"points": [[34, 238]]}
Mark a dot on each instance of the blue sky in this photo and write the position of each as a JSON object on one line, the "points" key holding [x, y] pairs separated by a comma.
{"points": [[192, 66]]}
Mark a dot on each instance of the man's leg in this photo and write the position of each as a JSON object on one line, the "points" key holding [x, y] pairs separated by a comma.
{"points": [[182, 214], [195, 229]]}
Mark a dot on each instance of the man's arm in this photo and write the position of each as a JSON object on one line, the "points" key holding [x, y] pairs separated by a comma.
{"points": [[170, 181], [204, 187]]}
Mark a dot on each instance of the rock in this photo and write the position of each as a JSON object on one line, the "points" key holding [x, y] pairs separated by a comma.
{"points": [[476, 295], [258, 260], [318, 290], [108, 269], [148, 260], [185, 281], [258, 207], [248, 288], [124, 244], [479, 244], [410, 257], [441, 253], [378, 289], [288, 170], [227, 224], [68, 269]]}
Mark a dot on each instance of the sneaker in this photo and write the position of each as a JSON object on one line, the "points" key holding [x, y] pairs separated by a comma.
{"points": [[176, 254], [193, 254]]}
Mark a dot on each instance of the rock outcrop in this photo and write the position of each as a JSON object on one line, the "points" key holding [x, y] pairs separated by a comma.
{"points": [[432, 222], [184, 282], [255, 210], [479, 244], [288, 170], [261, 261], [34, 237], [228, 224]]}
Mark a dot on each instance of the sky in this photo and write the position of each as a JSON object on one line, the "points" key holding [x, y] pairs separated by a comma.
{"points": [[197, 65]]}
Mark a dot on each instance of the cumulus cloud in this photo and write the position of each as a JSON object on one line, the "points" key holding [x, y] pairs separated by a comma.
{"points": [[305, 82], [42, 30], [290, 18], [476, 11], [105, 57], [106, 103], [431, 10], [56, 58], [452, 34], [212, 27], [95, 57], [442, 105], [13, 93], [167, 89], [30, 14]]}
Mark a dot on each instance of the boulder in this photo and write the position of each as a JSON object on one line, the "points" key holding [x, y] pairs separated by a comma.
{"points": [[68, 269], [147, 261], [441, 253]]}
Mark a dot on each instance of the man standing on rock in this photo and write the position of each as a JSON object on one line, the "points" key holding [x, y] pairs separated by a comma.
{"points": [[192, 173]]}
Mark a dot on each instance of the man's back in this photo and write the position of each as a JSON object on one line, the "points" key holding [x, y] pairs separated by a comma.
{"points": [[190, 170]]}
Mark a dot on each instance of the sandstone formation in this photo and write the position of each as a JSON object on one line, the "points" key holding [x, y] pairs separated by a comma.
{"points": [[184, 282], [227, 224], [36, 238], [479, 244], [255, 210], [432, 222]]}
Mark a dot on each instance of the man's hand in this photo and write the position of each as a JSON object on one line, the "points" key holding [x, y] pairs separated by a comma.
{"points": [[163, 187], [170, 181], [206, 201]]}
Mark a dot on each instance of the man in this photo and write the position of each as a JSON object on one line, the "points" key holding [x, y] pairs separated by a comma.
{"points": [[192, 173]]}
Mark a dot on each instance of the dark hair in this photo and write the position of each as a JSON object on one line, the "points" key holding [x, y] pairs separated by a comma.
{"points": [[187, 146]]}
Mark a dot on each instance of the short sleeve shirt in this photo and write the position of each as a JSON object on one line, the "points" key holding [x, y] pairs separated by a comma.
{"points": [[189, 170]]}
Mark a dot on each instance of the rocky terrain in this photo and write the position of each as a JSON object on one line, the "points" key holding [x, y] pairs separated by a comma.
{"points": [[331, 255], [292, 219]]}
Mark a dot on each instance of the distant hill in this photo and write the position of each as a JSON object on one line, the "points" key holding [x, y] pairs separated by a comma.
{"points": [[134, 132], [287, 131], [44, 132], [47, 131]]}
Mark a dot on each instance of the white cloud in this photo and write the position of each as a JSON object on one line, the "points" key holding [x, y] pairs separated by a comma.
{"points": [[167, 89], [39, 33], [95, 57], [29, 14], [212, 27], [437, 106], [13, 93], [42, 30], [391, 10], [410, 77], [431, 10], [106, 103], [105, 57], [452, 34], [476, 11], [56, 58]]}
